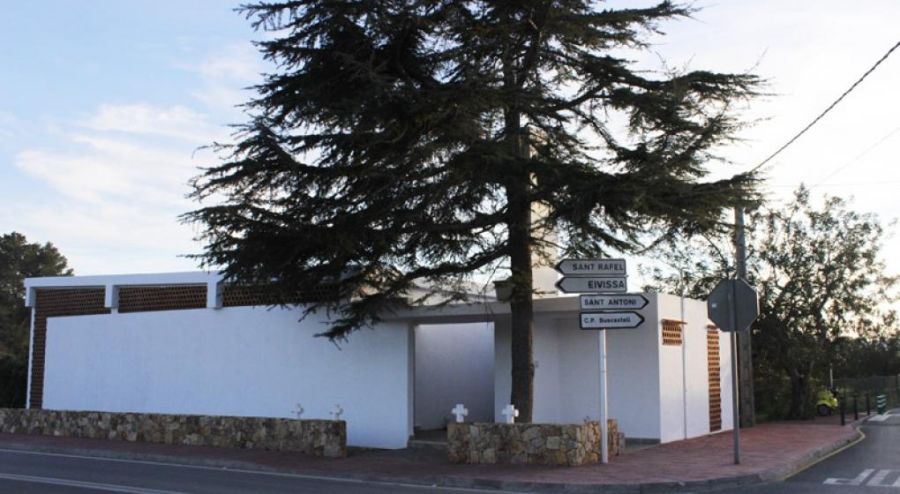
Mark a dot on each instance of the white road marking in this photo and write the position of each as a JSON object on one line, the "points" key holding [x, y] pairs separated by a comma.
{"points": [[877, 480], [858, 480], [880, 418], [85, 485], [255, 472]]}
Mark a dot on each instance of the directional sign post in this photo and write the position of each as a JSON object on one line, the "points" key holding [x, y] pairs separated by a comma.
{"points": [[593, 284], [601, 276], [630, 301], [610, 320], [591, 267]]}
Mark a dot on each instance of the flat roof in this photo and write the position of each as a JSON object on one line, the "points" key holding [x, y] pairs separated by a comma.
{"points": [[480, 312], [485, 310], [181, 278], [103, 281]]}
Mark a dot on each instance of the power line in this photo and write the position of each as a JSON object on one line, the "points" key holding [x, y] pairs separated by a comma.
{"points": [[830, 107], [838, 184], [856, 158]]}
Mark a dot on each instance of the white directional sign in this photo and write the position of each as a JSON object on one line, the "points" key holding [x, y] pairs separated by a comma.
{"points": [[610, 320], [592, 267], [613, 302], [593, 284], [600, 276]]}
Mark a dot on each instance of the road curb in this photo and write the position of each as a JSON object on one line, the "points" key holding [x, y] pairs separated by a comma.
{"points": [[779, 473], [818, 455]]}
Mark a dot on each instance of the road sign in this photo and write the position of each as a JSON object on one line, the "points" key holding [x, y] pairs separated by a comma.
{"points": [[733, 305], [610, 320], [613, 302], [592, 267], [593, 284]]}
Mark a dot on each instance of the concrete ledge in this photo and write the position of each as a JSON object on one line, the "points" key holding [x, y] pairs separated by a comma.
{"points": [[327, 438]]}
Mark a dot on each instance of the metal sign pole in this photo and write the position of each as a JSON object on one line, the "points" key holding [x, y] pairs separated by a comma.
{"points": [[741, 274], [604, 432], [735, 388]]}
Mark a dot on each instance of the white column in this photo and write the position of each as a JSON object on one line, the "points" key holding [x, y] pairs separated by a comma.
{"points": [[111, 297], [30, 355], [214, 293]]}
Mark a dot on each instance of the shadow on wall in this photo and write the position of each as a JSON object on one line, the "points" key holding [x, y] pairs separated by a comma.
{"points": [[454, 363]]}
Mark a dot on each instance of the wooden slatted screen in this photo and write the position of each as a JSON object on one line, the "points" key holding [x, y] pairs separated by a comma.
{"points": [[672, 332], [161, 297], [242, 296], [715, 383]]}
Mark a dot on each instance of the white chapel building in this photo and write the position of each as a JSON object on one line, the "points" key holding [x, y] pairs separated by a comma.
{"points": [[186, 343]]}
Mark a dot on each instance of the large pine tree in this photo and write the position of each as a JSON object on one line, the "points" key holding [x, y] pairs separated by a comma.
{"points": [[401, 144], [20, 259]]}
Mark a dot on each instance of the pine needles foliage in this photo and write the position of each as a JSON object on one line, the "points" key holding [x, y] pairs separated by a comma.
{"points": [[400, 145]]}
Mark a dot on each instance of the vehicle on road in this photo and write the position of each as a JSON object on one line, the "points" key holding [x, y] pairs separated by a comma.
{"points": [[826, 403]]}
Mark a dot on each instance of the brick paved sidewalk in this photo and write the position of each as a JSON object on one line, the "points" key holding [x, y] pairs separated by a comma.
{"points": [[769, 451]]}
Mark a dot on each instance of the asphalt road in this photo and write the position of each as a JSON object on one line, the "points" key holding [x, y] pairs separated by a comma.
{"points": [[870, 467], [33, 472]]}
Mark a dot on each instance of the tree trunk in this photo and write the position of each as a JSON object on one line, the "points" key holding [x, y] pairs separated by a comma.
{"points": [[519, 243], [521, 304], [799, 395]]}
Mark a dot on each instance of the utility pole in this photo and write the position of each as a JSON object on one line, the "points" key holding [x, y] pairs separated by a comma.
{"points": [[745, 355]]}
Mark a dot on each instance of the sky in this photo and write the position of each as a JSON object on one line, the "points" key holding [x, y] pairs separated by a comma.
{"points": [[106, 106]]}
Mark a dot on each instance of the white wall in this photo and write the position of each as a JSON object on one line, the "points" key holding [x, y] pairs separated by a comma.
{"points": [[238, 361], [684, 374], [579, 372], [565, 375], [697, 366], [725, 362], [547, 358], [454, 364], [671, 372], [655, 391], [633, 375]]}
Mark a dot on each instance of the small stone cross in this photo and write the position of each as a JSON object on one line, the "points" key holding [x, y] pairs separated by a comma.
{"points": [[460, 411], [337, 412], [509, 413], [298, 410]]}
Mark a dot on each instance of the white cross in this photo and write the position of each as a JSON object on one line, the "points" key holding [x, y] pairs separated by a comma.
{"points": [[460, 411], [337, 412], [510, 413], [298, 410]]}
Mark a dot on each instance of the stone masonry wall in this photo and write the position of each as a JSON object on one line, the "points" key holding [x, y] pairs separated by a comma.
{"points": [[326, 438], [548, 444]]}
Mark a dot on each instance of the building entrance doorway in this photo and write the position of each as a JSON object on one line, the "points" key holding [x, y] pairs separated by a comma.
{"points": [[454, 363]]}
